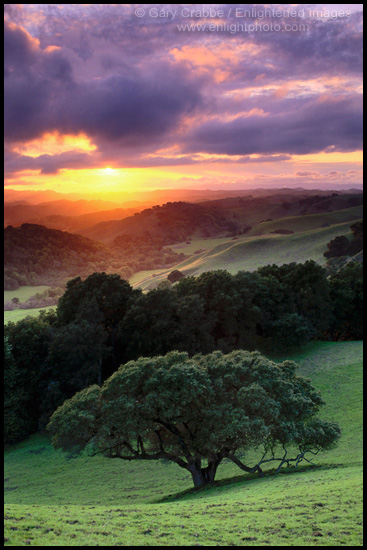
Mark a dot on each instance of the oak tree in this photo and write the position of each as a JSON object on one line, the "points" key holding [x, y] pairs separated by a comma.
{"points": [[196, 412]]}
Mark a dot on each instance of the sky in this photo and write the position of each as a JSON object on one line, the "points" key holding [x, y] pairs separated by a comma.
{"points": [[106, 98]]}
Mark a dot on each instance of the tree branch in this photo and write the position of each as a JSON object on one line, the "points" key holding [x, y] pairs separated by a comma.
{"points": [[115, 452], [154, 456], [283, 460], [173, 430], [240, 464]]}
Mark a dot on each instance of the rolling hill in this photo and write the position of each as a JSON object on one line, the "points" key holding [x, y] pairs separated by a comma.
{"points": [[249, 253], [36, 255], [170, 223], [64, 214], [180, 221], [245, 237], [307, 222]]}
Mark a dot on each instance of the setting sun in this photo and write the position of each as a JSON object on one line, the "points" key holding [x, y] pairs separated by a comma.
{"points": [[109, 171]]}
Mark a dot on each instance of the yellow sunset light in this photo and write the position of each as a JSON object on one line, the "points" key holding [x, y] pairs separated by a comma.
{"points": [[54, 143], [109, 171]]}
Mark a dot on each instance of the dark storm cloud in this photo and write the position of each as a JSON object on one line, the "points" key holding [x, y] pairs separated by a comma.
{"points": [[26, 112], [19, 48], [32, 80], [318, 125], [48, 164], [45, 96], [133, 111], [57, 67]]}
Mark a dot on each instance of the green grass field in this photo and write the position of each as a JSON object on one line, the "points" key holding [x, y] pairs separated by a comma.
{"points": [[199, 244], [18, 314], [310, 221], [24, 292], [52, 500], [248, 253]]}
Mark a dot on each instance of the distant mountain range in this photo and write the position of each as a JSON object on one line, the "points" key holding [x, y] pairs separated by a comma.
{"points": [[66, 215], [158, 196]]}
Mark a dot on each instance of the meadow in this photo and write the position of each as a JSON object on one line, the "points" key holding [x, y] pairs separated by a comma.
{"points": [[308, 222], [18, 314], [53, 500], [24, 292], [248, 253]]}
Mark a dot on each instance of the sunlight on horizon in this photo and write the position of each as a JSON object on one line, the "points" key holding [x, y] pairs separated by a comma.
{"points": [[109, 171]]}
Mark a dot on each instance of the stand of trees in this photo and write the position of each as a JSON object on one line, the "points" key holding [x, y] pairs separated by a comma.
{"points": [[196, 412], [102, 323], [342, 246]]}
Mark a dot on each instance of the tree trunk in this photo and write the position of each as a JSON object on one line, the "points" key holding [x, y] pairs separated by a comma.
{"points": [[203, 476], [197, 477], [100, 370]]}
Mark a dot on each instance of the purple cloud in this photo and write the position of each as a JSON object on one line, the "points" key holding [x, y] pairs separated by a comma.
{"points": [[313, 127], [44, 96], [100, 70]]}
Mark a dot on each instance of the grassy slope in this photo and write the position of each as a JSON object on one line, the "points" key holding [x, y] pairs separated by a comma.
{"points": [[24, 292], [53, 501], [310, 221], [253, 212], [249, 253], [18, 314]]}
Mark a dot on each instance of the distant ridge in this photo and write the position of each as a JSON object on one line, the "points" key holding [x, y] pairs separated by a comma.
{"points": [[227, 217], [202, 192]]}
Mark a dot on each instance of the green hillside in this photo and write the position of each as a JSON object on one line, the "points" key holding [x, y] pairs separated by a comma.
{"points": [[308, 222], [52, 500], [23, 292], [249, 253], [255, 210], [18, 314], [170, 223], [179, 221]]}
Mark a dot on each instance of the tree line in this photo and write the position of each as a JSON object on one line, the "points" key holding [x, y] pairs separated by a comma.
{"points": [[342, 246], [102, 322]]}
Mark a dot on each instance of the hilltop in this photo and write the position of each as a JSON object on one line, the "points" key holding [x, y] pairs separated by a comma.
{"points": [[170, 223], [179, 221], [65, 215], [224, 212]]}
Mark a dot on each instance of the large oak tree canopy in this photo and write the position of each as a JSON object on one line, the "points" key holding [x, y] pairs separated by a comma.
{"points": [[196, 412]]}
